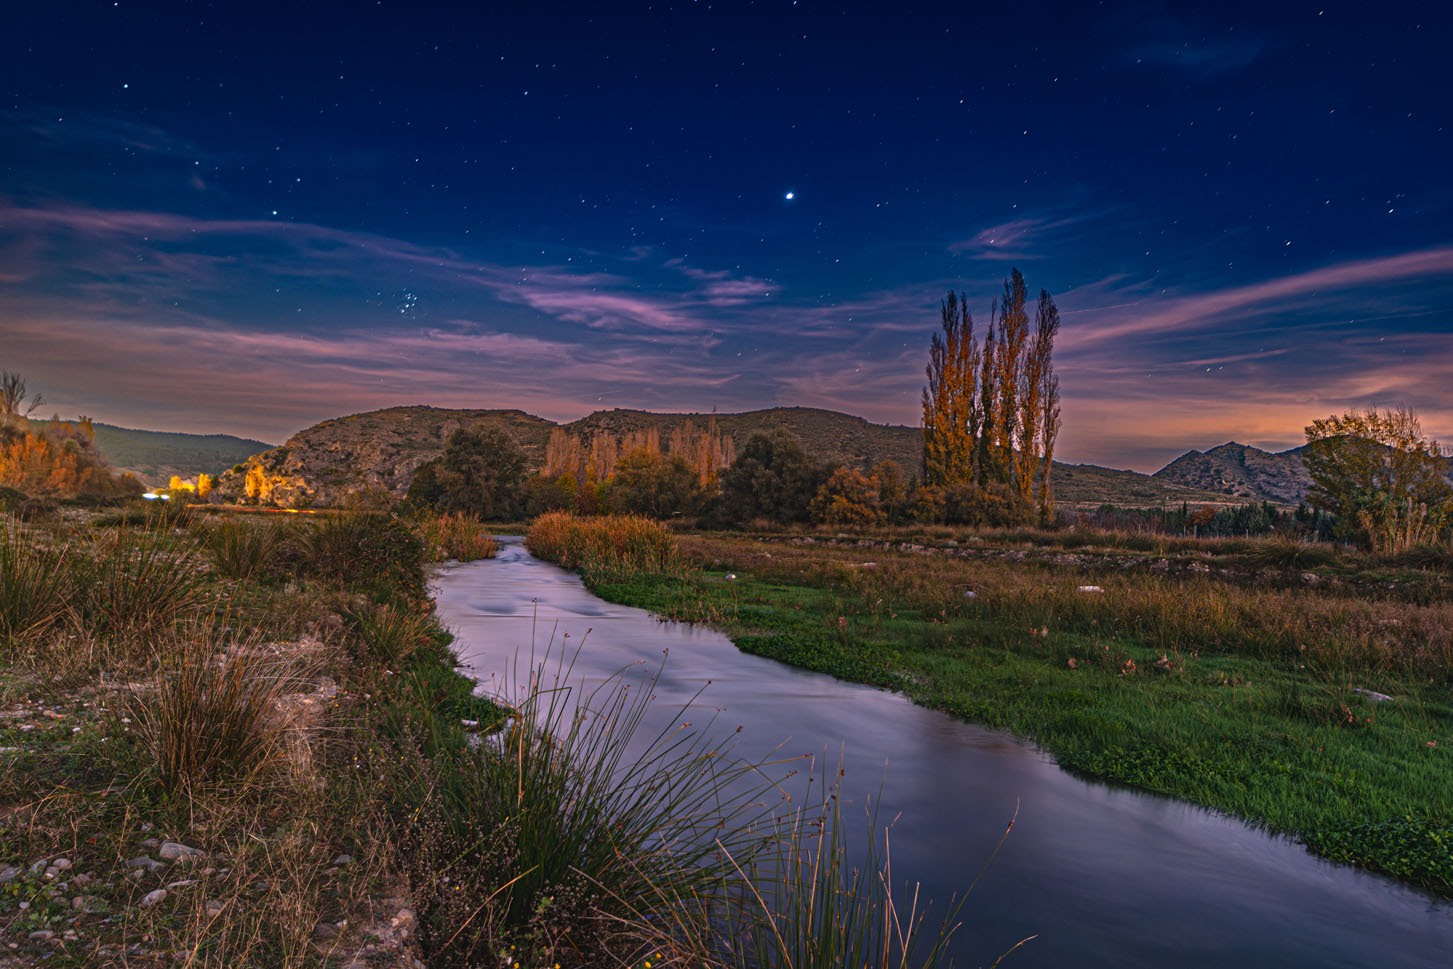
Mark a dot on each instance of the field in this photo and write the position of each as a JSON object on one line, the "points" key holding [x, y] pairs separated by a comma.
{"points": [[1300, 687]]}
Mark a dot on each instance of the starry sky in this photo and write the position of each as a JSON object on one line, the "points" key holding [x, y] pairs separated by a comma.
{"points": [[248, 217]]}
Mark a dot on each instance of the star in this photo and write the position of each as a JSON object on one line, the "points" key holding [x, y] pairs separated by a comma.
{"points": [[790, 196]]}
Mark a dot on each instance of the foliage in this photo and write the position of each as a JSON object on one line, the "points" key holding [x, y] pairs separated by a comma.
{"points": [[849, 497], [991, 412], [1386, 483], [772, 478], [454, 535], [480, 473], [652, 484], [59, 460]]}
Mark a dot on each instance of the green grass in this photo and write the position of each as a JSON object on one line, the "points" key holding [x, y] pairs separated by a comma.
{"points": [[1238, 699]]}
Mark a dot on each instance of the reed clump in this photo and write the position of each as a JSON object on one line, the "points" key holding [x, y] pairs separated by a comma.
{"points": [[605, 548], [455, 535]]}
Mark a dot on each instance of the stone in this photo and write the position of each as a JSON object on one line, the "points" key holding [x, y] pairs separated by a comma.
{"points": [[176, 851], [144, 863], [153, 898], [9, 874]]}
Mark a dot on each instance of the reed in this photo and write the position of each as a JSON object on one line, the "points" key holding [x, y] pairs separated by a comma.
{"points": [[455, 535], [605, 548]]}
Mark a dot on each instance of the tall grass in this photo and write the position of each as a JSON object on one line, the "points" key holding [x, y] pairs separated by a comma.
{"points": [[211, 713], [607, 548], [34, 588], [138, 581], [368, 552], [815, 904], [244, 549], [455, 535], [567, 837]]}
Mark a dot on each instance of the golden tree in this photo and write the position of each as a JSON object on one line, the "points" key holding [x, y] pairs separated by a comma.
{"points": [[1381, 477], [991, 411]]}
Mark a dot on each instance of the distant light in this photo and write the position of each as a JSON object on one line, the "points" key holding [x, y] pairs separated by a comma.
{"points": [[153, 496], [790, 196]]}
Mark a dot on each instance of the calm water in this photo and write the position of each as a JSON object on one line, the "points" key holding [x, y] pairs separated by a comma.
{"points": [[1103, 877]]}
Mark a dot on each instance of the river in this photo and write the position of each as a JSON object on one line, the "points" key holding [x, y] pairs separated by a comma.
{"points": [[1101, 876]]}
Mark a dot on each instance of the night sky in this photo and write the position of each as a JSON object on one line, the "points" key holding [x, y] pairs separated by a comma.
{"points": [[248, 217]]}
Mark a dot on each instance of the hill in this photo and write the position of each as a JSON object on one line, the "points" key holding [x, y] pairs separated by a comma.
{"points": [[154, 456], [1243, 472], [379, 451]]}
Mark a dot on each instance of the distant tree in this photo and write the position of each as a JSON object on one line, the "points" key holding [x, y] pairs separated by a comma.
{"points": [[647, 482], [894, 490], [991, 413], [481, 473], [17, 403], [772, 478], [1384, 481], [849, 497]]}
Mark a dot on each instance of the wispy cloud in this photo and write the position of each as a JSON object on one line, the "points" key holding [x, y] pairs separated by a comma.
{"points": [[1191, 48]]}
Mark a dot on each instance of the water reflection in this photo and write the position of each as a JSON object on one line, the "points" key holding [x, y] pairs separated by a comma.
{"points": [[1104, 876]]}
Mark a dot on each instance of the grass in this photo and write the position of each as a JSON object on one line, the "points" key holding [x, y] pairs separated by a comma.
{"points": [[567, 836], [1186, 675], [212, 712], [604, 548], [456, 536], [816, 906]]}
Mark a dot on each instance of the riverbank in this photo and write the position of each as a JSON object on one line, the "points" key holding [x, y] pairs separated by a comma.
{"points": [[211, 737], [1318, 707]]}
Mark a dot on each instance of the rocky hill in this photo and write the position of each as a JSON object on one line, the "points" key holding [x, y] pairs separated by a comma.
{"points": [[378, 452], [1242, 472]]}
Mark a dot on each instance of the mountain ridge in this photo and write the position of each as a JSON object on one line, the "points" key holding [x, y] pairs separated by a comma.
{"points": [[346, 458]]}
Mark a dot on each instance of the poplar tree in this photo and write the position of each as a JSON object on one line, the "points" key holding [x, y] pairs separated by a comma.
{"points": [[991, 413]]}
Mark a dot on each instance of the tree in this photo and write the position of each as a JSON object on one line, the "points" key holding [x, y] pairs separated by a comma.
{"points": [[771, 478], [16, 402], [1383, 480], [481, 473], [647, 482], [991, 412], [849, 497]]}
